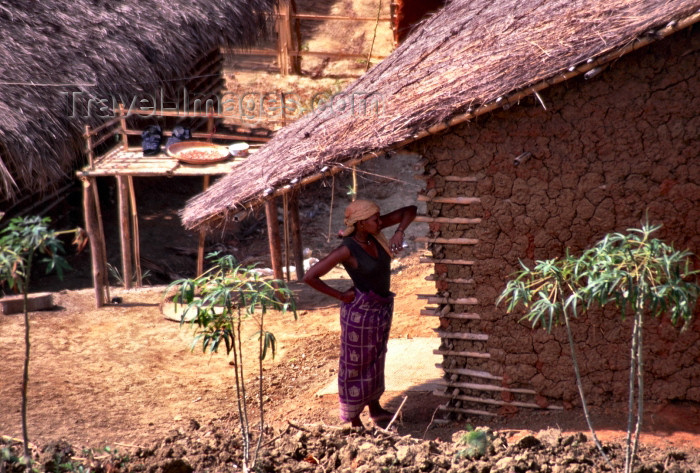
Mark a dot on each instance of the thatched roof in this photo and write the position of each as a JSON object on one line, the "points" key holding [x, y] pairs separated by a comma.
{"points": [[99, 48], [473, 56]]}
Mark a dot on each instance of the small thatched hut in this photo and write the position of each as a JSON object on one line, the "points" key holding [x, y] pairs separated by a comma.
{"points": [[543, 125], [58, 54]]}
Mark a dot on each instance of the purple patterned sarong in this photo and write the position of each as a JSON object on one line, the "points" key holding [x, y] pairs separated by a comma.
{"points": [[364, 333]]}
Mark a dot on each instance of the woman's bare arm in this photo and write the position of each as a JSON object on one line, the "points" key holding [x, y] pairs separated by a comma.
{"points": [[403, 216], [313, 276]]}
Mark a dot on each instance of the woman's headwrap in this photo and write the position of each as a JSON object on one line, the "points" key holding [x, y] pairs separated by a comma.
{"points": [[361, 210]]}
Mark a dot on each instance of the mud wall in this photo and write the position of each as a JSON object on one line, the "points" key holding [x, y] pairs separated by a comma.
{"points": [[605, 153]]}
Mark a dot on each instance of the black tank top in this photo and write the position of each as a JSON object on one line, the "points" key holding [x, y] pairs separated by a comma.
{"points": [[371, 274]]}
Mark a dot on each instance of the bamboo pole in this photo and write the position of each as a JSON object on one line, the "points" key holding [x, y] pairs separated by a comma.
{"points": [[125, 230], [135, 227], [91, 229], [202, 236], [101, 238], [296, 236], [273, 237]]}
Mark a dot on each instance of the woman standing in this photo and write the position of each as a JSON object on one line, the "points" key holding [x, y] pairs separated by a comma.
{"points": [[367, 307]]}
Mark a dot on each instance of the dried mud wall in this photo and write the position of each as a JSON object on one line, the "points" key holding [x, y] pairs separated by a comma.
{"points": [[605, 153]]}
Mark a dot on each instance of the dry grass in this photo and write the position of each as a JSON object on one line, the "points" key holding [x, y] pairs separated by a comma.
{"points": [[98, 48]]}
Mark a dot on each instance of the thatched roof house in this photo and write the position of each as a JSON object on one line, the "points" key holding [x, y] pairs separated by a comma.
{"points": [[471, 58], [56, 52], [542, 126]]}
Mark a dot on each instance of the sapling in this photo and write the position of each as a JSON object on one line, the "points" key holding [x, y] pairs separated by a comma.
{"points": [[219, 301], [640, 274], [21, 242]]}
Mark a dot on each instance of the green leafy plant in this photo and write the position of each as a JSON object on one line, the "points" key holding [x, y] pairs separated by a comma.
{"points": [[477, 442], [218, 303], [639, 274], [22, 242]]}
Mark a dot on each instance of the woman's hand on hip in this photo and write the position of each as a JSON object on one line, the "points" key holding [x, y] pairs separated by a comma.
{"points": [[348, 296]]}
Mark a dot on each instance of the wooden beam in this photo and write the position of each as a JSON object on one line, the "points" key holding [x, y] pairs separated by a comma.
{"points": [[449, 220], [485, 387], [125, 230], [449, 200], [202, 237], [462, 335], [448, 241], [135, 228], [462, 262], [463, 354], [273, 237], [470, 372], [95, 249], [461, 179], [461, 410], [494, 402], [296, 235], [451, 315]]}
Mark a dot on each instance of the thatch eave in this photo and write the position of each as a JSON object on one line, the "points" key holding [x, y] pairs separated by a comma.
{"points": [[435, 97]]}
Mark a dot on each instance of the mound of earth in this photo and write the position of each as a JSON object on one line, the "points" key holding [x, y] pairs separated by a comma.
{"points": [[321, 449]]}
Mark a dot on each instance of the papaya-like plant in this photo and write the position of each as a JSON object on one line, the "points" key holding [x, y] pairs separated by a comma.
{"points": [[25, 241], [217, 304], [639, 274]]}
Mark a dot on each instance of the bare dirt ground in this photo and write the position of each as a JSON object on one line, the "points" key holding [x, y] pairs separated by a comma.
{"points": [[124, 376]]}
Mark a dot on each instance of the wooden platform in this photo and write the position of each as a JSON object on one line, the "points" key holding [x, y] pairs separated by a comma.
{"points": [[132, 162]]}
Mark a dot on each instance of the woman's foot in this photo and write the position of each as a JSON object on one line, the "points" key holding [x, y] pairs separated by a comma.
{"points": [[356, 422], [378, 413]]}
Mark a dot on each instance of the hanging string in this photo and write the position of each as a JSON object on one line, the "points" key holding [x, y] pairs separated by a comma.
{"points": [[354, 183], [330, 214]]}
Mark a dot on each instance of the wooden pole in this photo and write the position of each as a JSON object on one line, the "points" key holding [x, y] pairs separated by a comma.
{"points": [[273, 237], [101, 238], [88, 147], [296, 235], [122, 122], [135, 227], [202, 238], [285, 200], [91, 229], [125, 230], [283, 36]]}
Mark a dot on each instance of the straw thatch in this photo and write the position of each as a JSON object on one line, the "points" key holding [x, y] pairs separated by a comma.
{"points": [[99, 48], [469, 57]]}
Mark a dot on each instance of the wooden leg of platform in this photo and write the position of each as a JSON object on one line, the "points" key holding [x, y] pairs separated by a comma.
{"points": [[101, 238], [95, 250], [273, 237], [135, 227], [125, 230], [202, 238], [296, 235]]}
